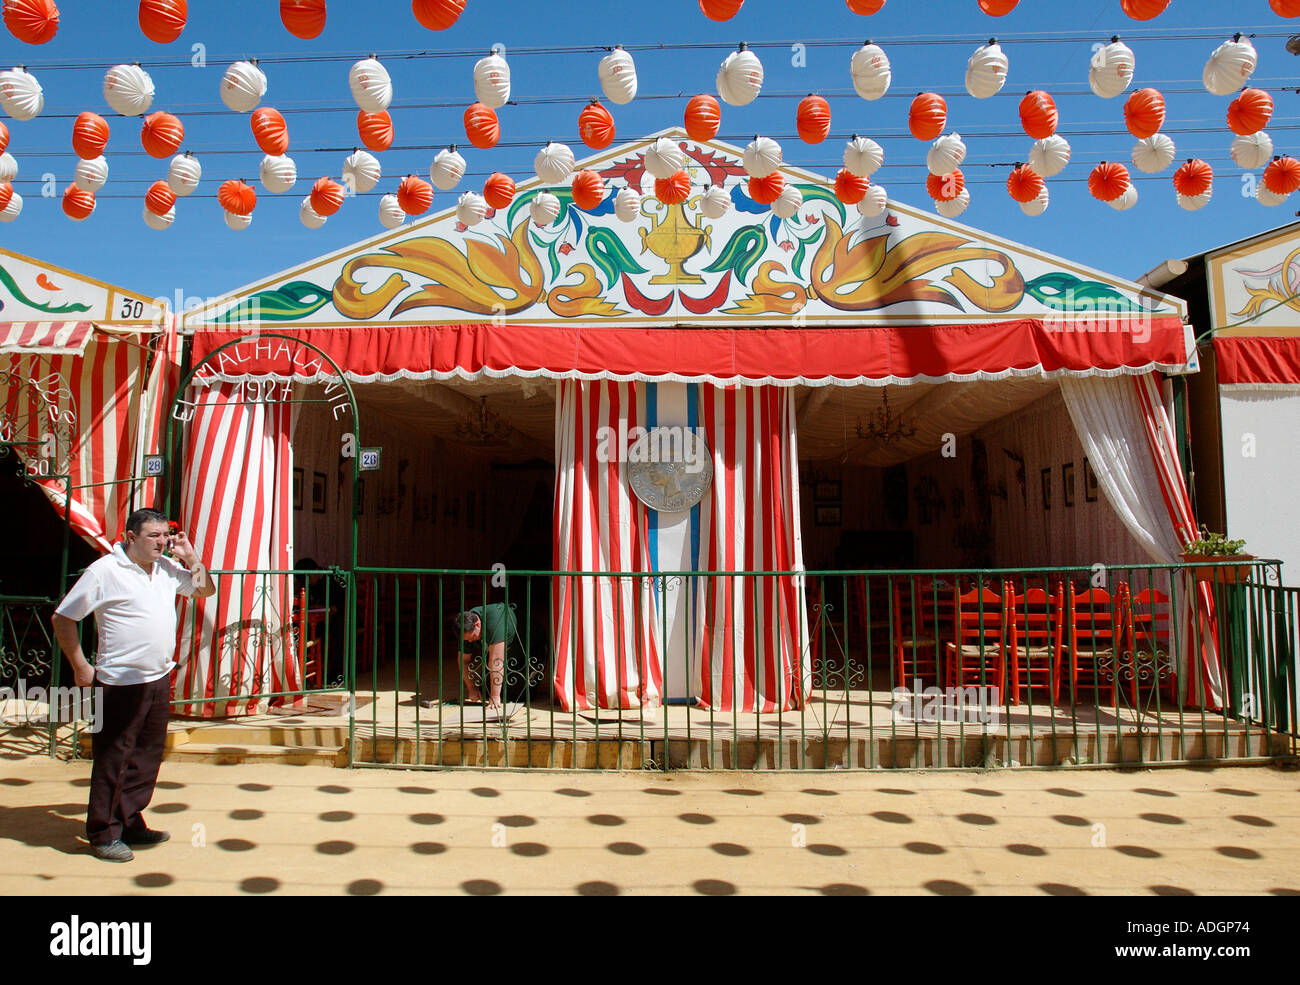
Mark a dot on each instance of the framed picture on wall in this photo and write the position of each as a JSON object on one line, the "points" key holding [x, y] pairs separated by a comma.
{"points": [[827, 491], [318, 492], [828, 516], [1046, 476], [1089, 483], [1067, 483], [297, 488]]}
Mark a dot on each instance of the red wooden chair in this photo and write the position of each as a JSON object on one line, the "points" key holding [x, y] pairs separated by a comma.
{"points": [[1092, 646], [1037, 638], [917, 627], [309, 635], [1147, 645], [977, 656]]}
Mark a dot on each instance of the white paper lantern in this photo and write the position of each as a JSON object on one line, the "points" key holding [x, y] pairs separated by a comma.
{"points": [[618, 76], [1154, 153], [715, 202], [371, 86], [1036, 206], [627, 204], [1262, 195], [390, 212], [308, 216], [238, 222], [544, 208], [21, 96], [447, 169], [762, 157], [471, 208], [788, 202], [11, 211], [554, 164], [159, 222], [1050, 155], [128, 89], [954, 207], [664, 158], [1230, 67], [361, 170], [1125, 201], [874, 202], [946, 154], [1112, 69], [1193, 202], [90, 175], [278, 174], [8, 167], [863, 156], [870, 71], [183, 174], [986, 72], [1252, 151], [492, 81], [243, 86], [740, 77]]}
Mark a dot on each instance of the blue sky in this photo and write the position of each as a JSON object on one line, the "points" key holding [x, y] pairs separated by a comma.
{"points": [[553, 48]]}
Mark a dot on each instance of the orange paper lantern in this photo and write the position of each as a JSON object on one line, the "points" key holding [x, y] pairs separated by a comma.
{"points": [[1108, 181], [1250, 112], [813, 119], [1025, 184], [927, 116], [1285, 8], [31, 21], [270, 131], [998, 8], [303, 18], [89, 136], [161, 134], [1038, 114], [375, 130], [77, 203], [481, 126], [437, 15], [499, 190], [4, 138], [162, 20], [1193, 178], [596, 125], [1282, 176], [851, 188], [237, 197], [326, 196], [721, 10], [703, 117], [1144, 10], [589, 189], [159, 198], [767, 189], [865, 7], [673, 189], [414, 195], [1144, 113], [945, 187]]}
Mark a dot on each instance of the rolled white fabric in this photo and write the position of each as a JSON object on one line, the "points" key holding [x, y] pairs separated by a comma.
{"points": [[1230, 67], [128, 89], [1111, 69], [1252, 151], [1153, 154], [863, 156], [183, 174], [278, 174], [243, 86], [8, 167], [618, 76], [762, 156], [1050, 155], [371, 86], [309, 216], [447, 169], [21, 96], [238, 222], [870, 71], [946, 154], [471, 208], [15, 207], [1036, 206], [544, 208], [554, 164], [874, 202], [492, 81], [390, 212], [627, 204], [1125, 201], [740, 78], [362, 170], [89, 175], [715, 202], [160, 222], [664, 158], [788, 202], [986, 72], [954, 207]]}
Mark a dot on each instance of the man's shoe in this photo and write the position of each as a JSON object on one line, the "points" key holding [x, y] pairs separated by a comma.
{"points": [[113, 851], [146, 837]]}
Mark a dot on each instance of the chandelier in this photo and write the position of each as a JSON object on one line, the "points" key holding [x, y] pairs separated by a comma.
{"points": [[885, 426], [482, 426]]}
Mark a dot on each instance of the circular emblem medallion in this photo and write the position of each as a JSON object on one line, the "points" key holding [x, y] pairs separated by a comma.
{"points": [[670, 469]]}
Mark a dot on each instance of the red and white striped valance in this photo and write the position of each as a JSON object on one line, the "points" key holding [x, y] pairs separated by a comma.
{"points": [[45, 337]]}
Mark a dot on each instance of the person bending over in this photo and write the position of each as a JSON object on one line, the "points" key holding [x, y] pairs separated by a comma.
{"points": [[493, 625]]}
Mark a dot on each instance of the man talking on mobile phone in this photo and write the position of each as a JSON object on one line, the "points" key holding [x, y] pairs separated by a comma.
{"points": [[132, 593]]}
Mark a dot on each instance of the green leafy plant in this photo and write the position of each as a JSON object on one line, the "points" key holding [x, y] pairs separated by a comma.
{"points": [[1214, 545]]}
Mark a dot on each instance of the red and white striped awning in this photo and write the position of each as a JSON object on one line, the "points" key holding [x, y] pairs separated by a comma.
{"points": [[45, 337]]}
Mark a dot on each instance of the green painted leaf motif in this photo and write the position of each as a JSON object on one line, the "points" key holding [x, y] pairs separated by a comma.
{"points": [[293, 301], [1065, 292], [741, 252], [65, 309], [565, 195], [799, 254], [610, 255], [813, 192], [550, 254]]}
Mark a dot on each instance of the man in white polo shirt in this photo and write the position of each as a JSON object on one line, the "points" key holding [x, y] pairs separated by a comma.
{"points": [[132, 593]]}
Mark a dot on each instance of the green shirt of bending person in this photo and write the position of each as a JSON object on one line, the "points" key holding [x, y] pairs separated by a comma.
{"points": [[493, 625]]}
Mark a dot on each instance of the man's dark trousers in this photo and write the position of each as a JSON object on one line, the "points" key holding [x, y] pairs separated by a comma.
{"points": [[128, 750]]}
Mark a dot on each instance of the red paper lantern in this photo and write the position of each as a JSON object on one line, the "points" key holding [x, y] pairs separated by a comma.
{"points": [[1193, 178], [673, 189], [1108, 181], [1250, 112], [596, 125], [703, 117], [270, 131], [4, 138], [6, 194], [589, 190], [414, 195], [1144, 113], [375, 130], [1285, 8], [159, 198], [326, 196], [437, 15], [851, 188], [89, 136], [77, 203], [767, 189], [928, 116], [1024, 183], [1144, 10], [998, 8], [813, 119], [945, 187], [161, 134], [1282, 176], [237, 197], [31, 21], [499, 190], [162, 20], [721, 10], [303, 18], [865, 7], [1038, 114], [481, 126]]}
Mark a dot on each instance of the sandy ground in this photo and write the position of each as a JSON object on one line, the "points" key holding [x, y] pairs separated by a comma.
{"points": [[315, 830]]}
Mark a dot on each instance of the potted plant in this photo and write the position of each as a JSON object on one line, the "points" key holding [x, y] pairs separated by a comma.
{"points": [[1218, 548]]}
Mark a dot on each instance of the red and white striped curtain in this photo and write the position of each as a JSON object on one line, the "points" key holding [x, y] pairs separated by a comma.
{"points": [[236, 504]]}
